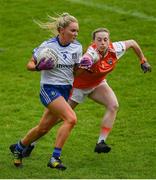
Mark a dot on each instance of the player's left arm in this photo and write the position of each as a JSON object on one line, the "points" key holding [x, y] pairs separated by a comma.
{"points": [[145, 66]]}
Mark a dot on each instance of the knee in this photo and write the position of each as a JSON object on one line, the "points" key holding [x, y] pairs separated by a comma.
{"points": [[114, 107], [72, 119]]}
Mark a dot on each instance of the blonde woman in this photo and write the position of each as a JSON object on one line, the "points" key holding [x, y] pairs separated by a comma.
{"points": [[56, 84]]}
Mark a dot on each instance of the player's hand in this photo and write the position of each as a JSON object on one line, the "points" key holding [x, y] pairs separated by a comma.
{"points": [[145, 66], [86, 62], [45, 64]]}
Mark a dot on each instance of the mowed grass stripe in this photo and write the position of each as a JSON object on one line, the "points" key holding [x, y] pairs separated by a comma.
{"points": [[115, 9]]}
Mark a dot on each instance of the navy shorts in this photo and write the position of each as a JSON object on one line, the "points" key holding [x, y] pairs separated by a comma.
{"points": [[49, 92]]}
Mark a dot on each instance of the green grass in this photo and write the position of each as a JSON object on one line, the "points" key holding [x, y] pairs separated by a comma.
{"points": [[133, 137]]}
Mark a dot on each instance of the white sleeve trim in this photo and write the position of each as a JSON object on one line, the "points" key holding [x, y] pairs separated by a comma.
{"points": [[93, 53], [120, 48]]}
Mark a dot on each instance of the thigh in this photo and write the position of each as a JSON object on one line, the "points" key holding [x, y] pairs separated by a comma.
{"points": [[60, 108], [103, 94], [48, 119]]}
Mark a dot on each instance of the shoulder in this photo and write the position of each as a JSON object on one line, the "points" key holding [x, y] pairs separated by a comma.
{"points": [[92, 48], [77, 43], [119, 45], [92, 51], [119, 48], [49, 41]]}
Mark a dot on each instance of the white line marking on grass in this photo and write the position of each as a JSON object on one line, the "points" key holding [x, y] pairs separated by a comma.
{"points": [[115, 9]]}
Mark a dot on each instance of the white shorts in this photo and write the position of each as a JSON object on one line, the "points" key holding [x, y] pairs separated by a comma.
{"points": [[78, 95]]}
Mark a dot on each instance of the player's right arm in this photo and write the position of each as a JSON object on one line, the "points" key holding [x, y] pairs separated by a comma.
{"points": [[85, 63], [31, 66]]}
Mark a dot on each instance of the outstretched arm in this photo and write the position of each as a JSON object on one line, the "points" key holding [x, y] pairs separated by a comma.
{"points": [[133, 44], [85, 63], [145, 66]]}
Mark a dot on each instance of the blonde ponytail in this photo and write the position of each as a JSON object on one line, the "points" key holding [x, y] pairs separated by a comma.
{"points": [[55, 23]]}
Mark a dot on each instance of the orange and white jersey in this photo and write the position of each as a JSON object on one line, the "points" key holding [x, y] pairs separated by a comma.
{"points": [[102, 65]]}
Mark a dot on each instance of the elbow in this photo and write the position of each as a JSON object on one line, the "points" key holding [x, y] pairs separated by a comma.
{"points": [[31, 65], [28, 67], [132, 43]]}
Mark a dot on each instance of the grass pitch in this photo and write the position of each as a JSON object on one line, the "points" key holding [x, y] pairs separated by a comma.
{"points": [[133, 137]]}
